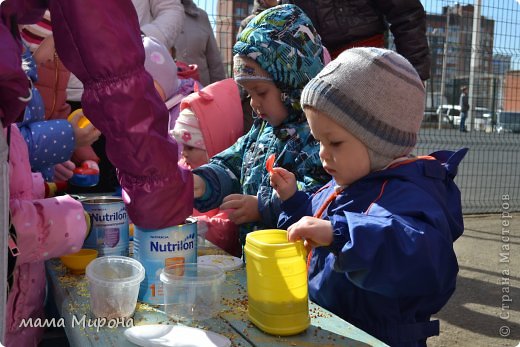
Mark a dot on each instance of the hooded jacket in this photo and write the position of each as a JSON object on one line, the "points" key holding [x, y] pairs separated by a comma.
{"points": [[240, 169], [391, 264], [219, 113]]}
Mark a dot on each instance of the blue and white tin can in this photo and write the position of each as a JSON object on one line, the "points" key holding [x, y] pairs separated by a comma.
{"points": [[158, 248], [109, 231]]}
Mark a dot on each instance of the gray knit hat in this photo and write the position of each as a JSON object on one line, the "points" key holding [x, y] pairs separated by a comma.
{"points": [[375, 94]]}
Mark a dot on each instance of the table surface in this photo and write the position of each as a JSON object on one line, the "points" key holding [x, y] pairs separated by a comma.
{"points": [[72, 299]]}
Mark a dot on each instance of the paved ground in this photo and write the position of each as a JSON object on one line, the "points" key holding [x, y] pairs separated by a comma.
{"points": [[486, 304]]}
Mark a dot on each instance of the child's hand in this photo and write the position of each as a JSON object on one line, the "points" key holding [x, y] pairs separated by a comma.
{"points": [[83, 136], [199, 186], [63, 171], [245, 208], [314, 231], [284, 182]]}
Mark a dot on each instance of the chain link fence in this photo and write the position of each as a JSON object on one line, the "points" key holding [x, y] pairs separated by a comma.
{"points": [[474, 44]]}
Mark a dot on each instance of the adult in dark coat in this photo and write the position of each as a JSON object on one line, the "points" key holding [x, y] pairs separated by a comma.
{"points": [[345, 24]]}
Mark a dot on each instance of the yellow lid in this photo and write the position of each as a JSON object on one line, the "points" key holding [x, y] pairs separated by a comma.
{"points": [[83, 121]]}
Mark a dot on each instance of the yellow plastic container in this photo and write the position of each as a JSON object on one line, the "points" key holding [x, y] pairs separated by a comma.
{"points": [[83, 120], [276, 283], [77, 262]]}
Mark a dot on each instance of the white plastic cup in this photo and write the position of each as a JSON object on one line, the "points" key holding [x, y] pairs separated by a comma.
{"points": [[192, 291], [114, 285]]}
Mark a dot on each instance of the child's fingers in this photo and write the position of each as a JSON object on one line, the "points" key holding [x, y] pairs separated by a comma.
{"points": [[91, 129], [74, 120], [293, 233], [69, 165], [232, 201], [282, 173], [232, 197], [64, 171], [275, 179]]}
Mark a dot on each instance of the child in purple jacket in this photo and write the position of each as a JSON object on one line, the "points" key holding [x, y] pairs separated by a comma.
{"points": [[382, 231]]}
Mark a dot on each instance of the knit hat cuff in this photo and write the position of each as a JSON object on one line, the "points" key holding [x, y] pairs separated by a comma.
{"points": [[245, 68], [187, 130], [388, 142]]}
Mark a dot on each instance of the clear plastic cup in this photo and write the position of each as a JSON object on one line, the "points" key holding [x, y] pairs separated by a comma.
{"points": [[192, 291], [114, 285]]}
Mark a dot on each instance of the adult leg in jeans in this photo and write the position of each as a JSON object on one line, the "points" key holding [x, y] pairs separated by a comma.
{"points": [[463, 116]]}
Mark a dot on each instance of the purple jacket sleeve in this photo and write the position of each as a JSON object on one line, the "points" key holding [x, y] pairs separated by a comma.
{"points": [[99, 41]]}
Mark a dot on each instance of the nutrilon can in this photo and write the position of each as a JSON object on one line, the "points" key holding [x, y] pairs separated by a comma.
{"points": [[109, 232], [158, 248]]}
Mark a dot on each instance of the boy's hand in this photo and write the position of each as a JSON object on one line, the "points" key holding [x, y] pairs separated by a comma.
{"points": [[245, 208], [284, 182], [199, 186], [314, 231], [83, 136]]}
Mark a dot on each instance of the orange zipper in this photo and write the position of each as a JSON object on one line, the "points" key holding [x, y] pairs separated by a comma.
{"points": [[56, 80]]}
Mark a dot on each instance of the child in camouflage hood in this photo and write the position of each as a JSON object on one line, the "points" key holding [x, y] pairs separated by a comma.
{"points": [[276, 54]]}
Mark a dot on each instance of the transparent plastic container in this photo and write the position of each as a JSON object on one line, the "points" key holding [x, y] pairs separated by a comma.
{"points": [[192, 291], [156, 249], [114, 285]]}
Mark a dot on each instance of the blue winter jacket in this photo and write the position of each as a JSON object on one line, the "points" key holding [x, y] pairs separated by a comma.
{"points": [[391, 264]]}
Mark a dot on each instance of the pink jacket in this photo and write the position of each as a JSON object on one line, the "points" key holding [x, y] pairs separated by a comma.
{"points": [[46, 228], [219, 111]]}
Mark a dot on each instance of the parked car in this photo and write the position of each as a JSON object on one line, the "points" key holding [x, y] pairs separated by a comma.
{"points": [[448, 113], [431, 119], [482, 117], [508, 122]]}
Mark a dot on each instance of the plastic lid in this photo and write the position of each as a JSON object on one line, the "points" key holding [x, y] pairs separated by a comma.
{"points": [[174, 335], [194, 273], [224, 262]]}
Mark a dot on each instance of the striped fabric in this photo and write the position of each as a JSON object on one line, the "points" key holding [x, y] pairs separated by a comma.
{"points": [[33, 34]]}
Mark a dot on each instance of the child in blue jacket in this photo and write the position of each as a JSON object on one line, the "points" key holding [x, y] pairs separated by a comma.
{"points": [[382, 230], [275, 56]]}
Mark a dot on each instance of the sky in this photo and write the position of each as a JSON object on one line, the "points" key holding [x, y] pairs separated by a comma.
{"points": [[506, 14]]}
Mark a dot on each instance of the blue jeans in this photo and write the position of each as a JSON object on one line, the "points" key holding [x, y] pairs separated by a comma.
{"points": [[463, 116]]}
